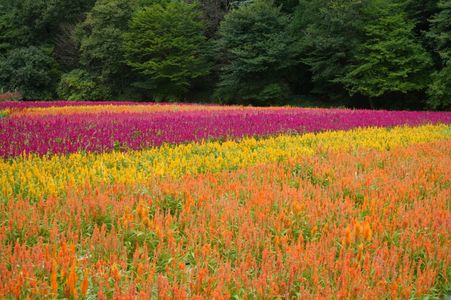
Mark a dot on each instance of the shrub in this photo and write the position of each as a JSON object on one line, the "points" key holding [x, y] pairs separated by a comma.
{"points": [[30, 71], [80, 85]]}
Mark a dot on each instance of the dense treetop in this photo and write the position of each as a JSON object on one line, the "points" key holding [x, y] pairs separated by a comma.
{"points": [[379, 53]]}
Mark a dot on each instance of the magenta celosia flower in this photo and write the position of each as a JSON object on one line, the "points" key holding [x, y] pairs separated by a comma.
{"points": [[106, 131]]}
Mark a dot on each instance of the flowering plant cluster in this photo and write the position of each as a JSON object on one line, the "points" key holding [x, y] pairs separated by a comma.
{"points": [[100, 128], [255, 212]]}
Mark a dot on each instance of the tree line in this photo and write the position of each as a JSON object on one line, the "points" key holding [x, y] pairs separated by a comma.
{"points": [[360, 53]]}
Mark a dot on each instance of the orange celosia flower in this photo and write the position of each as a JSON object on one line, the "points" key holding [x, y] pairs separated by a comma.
{"points": [[348, 236], [71, 281], [360, 252], [53, 279], [367, 232], [84, 284]]}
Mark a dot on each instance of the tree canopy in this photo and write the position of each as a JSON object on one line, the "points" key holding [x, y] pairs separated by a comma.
{"points": [[389, 59], [29, 70], [165, 44], [258, 52], [439, 90]]}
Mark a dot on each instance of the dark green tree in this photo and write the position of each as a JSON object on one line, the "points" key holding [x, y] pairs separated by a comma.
{"points": [[9, 34], [440, 33], [30, 71], [390, 59], [37, 25], [328, 34], [100, 43], [165, 44], [66, 47], [439, 90], [36, 22], [213, 12], [80, 85], [256, 50], [420, 11]]}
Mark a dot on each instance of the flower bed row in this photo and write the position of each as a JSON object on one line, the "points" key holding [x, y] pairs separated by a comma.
{"points": [[128, 129]]}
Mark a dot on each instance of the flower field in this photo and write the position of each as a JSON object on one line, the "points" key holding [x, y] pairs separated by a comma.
{"points": [[173, 201], [99, 128]]}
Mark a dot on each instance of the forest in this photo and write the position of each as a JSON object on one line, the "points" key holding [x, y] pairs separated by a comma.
{"points": [[391, 54]]}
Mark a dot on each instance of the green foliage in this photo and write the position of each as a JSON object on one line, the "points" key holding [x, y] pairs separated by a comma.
{"points": [[420, 11], [287, 6], [100, 39], [261, 52], [80, 85], [439, 90], [36, 22], [165, 44], [30, 71], [8, 31], [29, 29], [213, 12], [440, 32], [390, 59], [328, 34], [255, 47]]}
